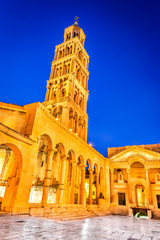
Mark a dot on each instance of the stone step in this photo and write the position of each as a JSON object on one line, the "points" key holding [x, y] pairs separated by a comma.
{"points": [[67, 215], [74, 217], [4, 213]]}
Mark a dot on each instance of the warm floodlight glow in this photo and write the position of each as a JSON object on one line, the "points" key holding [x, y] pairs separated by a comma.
{"points": [[91, 144], [70, 129]]}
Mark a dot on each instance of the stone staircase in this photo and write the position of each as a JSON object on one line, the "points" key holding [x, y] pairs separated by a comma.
{"points": [[64, 216], [60, 212], [4, 213]]}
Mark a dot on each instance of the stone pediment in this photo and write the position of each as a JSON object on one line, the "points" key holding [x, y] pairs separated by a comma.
{"points": [[135, 152]]}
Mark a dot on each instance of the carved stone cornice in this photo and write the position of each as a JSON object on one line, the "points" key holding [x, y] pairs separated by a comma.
{"points": [[135, 151]]}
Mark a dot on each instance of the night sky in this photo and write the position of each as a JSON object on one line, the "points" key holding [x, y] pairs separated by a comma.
{"points": [[123, 42]]}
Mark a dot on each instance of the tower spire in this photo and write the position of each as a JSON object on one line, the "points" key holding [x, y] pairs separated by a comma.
{"points": [[76, 20]]}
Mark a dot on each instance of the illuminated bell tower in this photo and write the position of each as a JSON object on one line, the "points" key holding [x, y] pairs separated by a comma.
{"points": [[67, 88]]}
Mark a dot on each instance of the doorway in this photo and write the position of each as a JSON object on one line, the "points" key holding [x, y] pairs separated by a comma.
{"points": [[141, 196]]}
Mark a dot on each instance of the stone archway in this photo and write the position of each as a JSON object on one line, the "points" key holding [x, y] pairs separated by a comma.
{"points": [[38, 193], [10, 175], [141, 199], [61, 196]]}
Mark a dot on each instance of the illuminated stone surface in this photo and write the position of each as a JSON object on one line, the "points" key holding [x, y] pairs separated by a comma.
{"points": [[110, 227], [48, 169]]}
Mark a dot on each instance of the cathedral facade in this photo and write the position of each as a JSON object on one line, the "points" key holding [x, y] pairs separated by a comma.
{"points": [[46, 166]]}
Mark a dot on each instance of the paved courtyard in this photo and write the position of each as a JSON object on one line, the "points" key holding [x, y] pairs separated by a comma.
{"points": [[100, 228]]}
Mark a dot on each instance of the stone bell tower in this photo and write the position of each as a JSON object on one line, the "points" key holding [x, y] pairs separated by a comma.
{"points": [[67, 88]]}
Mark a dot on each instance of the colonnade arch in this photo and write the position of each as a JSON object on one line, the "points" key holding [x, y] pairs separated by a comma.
{"points": [[10, 172], [38, 192], [60, 176]]}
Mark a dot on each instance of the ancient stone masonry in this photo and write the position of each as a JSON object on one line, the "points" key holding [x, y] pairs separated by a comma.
{"points": [[46, 166]]}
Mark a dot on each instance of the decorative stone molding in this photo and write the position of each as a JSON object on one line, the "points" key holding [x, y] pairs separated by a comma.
{"points": [[157, 178]]}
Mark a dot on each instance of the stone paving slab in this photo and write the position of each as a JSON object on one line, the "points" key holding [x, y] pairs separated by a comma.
{"points": [[97, 228]]}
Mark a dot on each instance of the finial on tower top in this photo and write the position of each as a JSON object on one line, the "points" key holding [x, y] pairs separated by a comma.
{"points": [[76, 20]]}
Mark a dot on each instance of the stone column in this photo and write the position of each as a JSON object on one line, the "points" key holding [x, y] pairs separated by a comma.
{"points": [[101, 182], [82, 189], [97, 188], [128, 170], [90, 185], [61, 187], [73, 179], [148, 188], [47, 179], [112, 184]]}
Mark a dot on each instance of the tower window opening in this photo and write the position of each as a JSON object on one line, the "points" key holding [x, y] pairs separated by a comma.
{"points": [[54, 94], [68, 36], [75, 34], [60, 54], [70, 113], [83, 81], [63, 92], [67, 50], [42, 163], [60, 113], [75, 97], [80, 102], [55, 112], [65, 69], [68, 68], [78, 74], [70, 50], [60, 72], [80, 55]]}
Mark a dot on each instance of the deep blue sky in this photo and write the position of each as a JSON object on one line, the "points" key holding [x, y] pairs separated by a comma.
{"points": [[123, 42]]}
